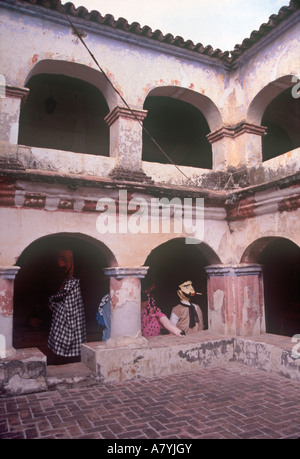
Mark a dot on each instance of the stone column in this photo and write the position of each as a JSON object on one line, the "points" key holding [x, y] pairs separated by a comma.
{"points": [[11, 104], [235, 299], [237, 146], [125, 293], [126, 143], [7, 277]]}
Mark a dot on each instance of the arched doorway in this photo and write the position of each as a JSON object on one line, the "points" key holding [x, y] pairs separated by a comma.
{"points": [[64, 113], [38, 279], [174, 261], [280, 259], [180, 119], [276, 108], [180, 129], [282, 118]]}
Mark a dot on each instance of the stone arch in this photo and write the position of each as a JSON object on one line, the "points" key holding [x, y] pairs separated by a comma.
{"points": [[280, 260], [37, 280], [174, 260], [263, 98], [198, 100], [64, 113], [276, 108], [253, 252], [78, 71], [66, 108], [179, 119]]}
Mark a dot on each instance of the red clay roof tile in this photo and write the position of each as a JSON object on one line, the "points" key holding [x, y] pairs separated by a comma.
{"points": [[228, 57]]}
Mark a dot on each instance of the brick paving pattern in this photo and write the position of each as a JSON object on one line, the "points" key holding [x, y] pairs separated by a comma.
{"points": [[232, 402]]}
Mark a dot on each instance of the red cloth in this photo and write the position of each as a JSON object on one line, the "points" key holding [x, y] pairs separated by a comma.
{"points": [[151, 325]]}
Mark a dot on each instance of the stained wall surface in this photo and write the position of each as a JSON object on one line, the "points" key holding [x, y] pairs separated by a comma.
{"points": [[244, 203]]}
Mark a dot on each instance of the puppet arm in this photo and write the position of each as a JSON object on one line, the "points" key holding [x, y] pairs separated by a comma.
{"points": [[169, 326]]}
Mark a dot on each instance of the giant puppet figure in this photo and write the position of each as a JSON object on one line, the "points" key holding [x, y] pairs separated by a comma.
{"points": [[67, 330], [186, 315]]}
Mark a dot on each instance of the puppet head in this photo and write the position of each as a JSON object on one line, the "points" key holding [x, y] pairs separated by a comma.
{"points": [[186, 291], [66, 263]]}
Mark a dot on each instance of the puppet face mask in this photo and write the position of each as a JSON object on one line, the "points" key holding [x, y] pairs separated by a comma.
{"points": [[65, 262], [187, 289]]}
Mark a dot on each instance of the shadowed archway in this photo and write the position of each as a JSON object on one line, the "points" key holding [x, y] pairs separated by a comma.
{"points": [[280, 259], [276, 107], [38, 279], [175, 262]]}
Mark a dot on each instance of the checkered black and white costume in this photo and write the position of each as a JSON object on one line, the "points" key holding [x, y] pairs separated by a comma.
{"points": [[67, 330]]}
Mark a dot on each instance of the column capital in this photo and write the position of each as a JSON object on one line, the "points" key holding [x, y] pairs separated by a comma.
{"points": [[248, 270], [9, 272], [120, 272], [242, 269], [125, 113], [17, 92], [235, 131]]}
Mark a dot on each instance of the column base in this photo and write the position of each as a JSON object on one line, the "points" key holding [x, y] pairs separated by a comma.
{"points": [[127, 341], [119, 173], [7, 353]]}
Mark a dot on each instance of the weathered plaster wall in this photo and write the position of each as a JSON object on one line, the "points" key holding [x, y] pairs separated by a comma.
{"points": [[133, 70], [138, 69], [277, 56], [267, 223], [276, 168], [41, 210], [9, 126], [64, 162]]}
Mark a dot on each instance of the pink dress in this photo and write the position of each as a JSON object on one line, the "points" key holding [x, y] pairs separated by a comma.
{"points": [[151, 325]]}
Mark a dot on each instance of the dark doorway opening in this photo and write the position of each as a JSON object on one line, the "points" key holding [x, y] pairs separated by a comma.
{"points": [[282, 118], [180, 129], [174, 261], [281, 262], [64, 113], [37, 279]]}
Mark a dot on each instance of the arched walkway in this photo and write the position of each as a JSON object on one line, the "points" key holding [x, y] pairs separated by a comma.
{"points": [[38, 279], [64, 113], [276, 108], [175, 262], [180, 129], [200, 101], [180, 119], [78, 71], [280, 259]]}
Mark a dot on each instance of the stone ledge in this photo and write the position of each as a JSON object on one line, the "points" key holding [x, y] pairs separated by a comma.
{"points": [[166, 355], [270, 353], [26, 370], [69, 376], [23, 372]]}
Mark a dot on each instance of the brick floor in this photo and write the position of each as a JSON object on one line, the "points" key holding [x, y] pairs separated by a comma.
{"points": [[232, 402]]}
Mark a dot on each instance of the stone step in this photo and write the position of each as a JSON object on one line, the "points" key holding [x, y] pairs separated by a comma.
{"points": [[69, 376]]}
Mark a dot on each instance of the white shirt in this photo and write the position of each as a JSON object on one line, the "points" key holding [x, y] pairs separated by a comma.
{"points": [[174, 318]]}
